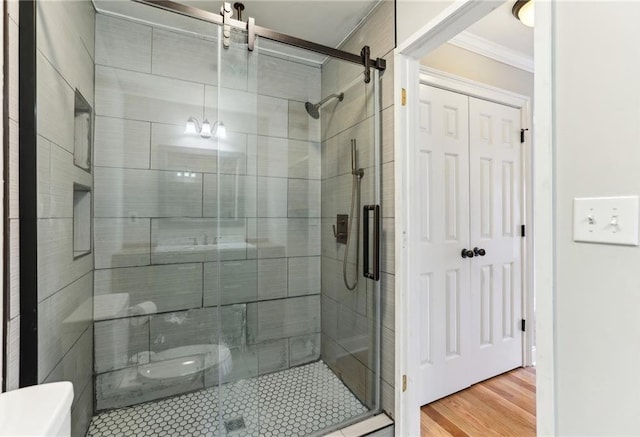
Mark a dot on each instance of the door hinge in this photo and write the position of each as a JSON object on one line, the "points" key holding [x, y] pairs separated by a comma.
{"points": [[404, 97], [522, 231], [523, 325], [404, 383], [522, 135]]}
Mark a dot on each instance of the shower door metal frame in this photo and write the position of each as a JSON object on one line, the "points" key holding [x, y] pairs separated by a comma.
{"points": [[253, 30]]}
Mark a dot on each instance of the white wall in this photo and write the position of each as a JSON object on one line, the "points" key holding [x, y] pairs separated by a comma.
{"points": [[597, 146], [411, 15], [464, 63]]}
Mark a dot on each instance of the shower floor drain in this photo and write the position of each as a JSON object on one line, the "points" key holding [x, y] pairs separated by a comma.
{"points": [[234, 425]]}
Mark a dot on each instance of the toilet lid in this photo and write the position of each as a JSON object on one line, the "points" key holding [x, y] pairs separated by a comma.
{"points": [[39, 410]]}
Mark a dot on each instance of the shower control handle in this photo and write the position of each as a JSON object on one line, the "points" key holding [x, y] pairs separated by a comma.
{"points": [[375, 272], [466, 253]]}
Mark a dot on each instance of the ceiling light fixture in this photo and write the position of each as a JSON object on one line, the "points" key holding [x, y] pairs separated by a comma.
{"points": [[193, 128], [523, 10]]}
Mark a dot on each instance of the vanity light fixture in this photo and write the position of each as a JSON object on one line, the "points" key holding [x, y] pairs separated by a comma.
{"points": [[206, 131], [523, 10]]}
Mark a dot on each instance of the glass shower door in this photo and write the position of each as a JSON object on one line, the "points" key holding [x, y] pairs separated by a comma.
{"points": [[297, 349]]}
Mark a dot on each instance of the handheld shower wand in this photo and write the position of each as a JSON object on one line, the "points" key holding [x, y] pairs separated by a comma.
{"points": [[358, 174]]}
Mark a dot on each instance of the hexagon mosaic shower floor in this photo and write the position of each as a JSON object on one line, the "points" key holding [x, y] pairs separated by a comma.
{"points": [[294, 402]]}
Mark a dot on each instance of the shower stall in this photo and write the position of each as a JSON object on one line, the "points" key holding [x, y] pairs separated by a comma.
{"points": [[196, 195]]}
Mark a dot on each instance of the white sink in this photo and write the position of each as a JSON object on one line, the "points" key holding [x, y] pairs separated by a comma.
{"points": [[39, 410]]}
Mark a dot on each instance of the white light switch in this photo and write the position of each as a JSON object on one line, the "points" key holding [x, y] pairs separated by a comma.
{"points": [[607, 220]]}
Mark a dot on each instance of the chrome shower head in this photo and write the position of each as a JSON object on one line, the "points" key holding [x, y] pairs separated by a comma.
{"points": [[313, 109]]}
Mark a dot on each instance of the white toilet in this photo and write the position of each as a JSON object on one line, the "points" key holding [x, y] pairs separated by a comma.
{"points": [[39, 410]]}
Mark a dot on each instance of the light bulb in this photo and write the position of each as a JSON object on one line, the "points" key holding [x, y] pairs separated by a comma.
{"points": [[221, 131], [206, 129], [191, 127], [526, 14]]}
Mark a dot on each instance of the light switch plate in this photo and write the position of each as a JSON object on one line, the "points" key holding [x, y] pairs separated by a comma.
{"points": [[606, 220]]}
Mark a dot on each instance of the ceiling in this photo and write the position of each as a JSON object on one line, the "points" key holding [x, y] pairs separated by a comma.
{"points": [[329, 22], [502, 28], [323, 22]]}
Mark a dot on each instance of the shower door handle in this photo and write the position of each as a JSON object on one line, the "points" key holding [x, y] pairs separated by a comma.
{"points": [[375, 273]]}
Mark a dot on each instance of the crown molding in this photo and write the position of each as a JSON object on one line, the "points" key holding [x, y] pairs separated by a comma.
{"points": [[490, 49]]}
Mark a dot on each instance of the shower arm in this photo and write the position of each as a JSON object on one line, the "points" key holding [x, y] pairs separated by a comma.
{"points": [[326, 99]]}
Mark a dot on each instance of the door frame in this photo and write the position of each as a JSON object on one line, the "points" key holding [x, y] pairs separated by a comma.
{"points": [[454, 19]]}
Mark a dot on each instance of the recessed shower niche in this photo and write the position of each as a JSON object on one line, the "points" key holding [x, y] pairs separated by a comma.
{"points": [[82, 133]]}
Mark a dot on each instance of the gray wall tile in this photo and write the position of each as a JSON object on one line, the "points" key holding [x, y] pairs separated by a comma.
{"points": [[237, 196], [56, 200], [229, 282], [304, 198], [121, 343], [377, 32], [288, 79], [14, 170], [238, 110], [76, 366], [329, 316], [388, 187], [388, 354], [353, 333], [304, 349], [273, 356], [304, 160], [172, 149], [184, 57], [304, 276], [183, 240], [14, 268], [123, 44], [121, 143], [272, 116], [170, 330], [82, 413], [122, 242], [387, 135], [294, 237], [272, 197], [387, 255], [363, 134], [272, 278], [200, 326], [168, 287], [147, 193], [288, 317], [63, 38], [55, 100], [13, 67], [13, 354], [56, 266], [62, 319], [140, 96], [301, 125]]}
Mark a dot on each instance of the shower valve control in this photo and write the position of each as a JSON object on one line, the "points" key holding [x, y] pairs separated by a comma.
{"points": [[341, 228]]}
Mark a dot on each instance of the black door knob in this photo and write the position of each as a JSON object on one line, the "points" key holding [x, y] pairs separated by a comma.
{"points": [[466, 253], [479, 252]]}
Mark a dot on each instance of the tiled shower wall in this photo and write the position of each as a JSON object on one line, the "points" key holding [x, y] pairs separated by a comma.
{"points": [[189, 231], [348, 316], [65, 53]]}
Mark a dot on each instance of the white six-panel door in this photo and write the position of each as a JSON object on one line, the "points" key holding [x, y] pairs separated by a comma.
{"points": [[494, 199], [467, 196]]}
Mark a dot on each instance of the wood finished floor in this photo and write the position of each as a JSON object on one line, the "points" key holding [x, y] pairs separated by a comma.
{"points": [[501, 406]]}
